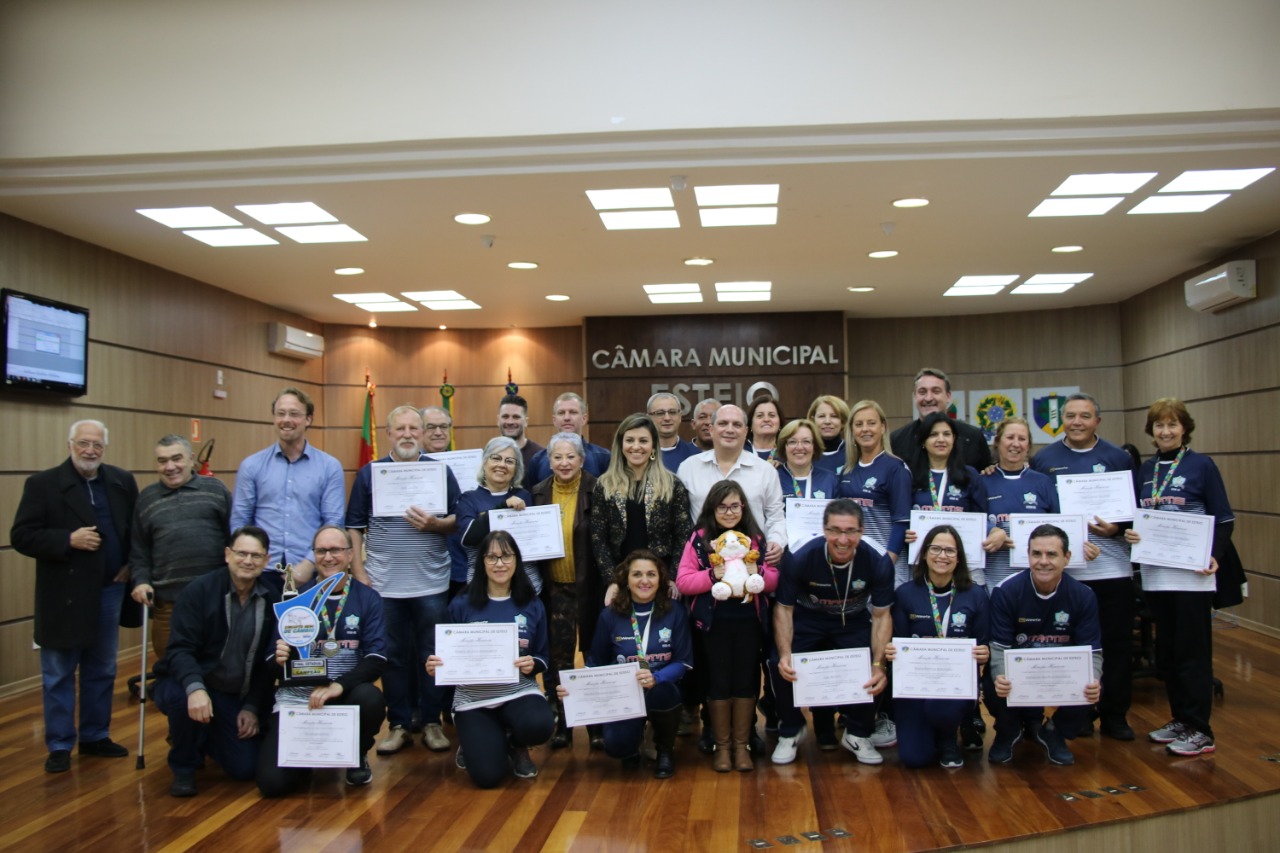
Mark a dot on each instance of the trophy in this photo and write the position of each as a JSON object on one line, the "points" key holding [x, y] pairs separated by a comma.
{"points": [[290, 583], [299, 625]]}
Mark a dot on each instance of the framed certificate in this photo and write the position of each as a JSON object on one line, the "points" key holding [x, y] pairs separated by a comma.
{"points": [[326, 737], [804, 520], [400, 485], [1021, 525], [1108, 495], [464, 464], [972, 527], [602, 694], [1178, 540], [832, 678], [934, 668], [1051, 676], [538, 530], [477, 653]]}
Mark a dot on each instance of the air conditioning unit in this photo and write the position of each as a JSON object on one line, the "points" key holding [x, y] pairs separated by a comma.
{"points": [[1222, 286], [295, 343]]}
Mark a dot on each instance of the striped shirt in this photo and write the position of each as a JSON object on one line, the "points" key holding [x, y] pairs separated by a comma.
{"points": [[1060, 458]]}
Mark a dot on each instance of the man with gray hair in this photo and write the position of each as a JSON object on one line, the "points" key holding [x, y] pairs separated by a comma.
{"points": [[569, 414], [703, 415], [664, 408], [75, 521], [437, 429], [179, 532]]}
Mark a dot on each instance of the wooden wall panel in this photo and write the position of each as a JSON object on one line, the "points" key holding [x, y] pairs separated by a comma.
{"points": [[1251, 480], [1262, 608], [1245, 423], [1238, 365], [1255, 537], [17, 586], [18, 660]]}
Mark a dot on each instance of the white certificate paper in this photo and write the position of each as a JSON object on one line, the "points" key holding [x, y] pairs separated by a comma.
{"points": [[1178, 540], [477, 653], [1051, 676], [934, 668], [538, 530], [1108, 495], [804, 520], [1021, 525], [328, 737], [464, 464], [832, 678], [602, 694], [400, 485], [972, 527]]}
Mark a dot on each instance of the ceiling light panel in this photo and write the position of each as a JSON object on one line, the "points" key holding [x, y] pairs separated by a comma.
{"points": [[672, 298], [637, 220], [651, 289], [380, 307], [452, 305], [1059, 278], [471, 218], [1076, 206], [1209, 180], [223, 237], [630, 199], [1104, 184], [911, 202], [1066, 250], [432, 295], [1179, 203], [287, 213], [985, 280], [322, 234], [974, 291], [728, 217], [743, 297], [744, 286], [356, 298], [1029, 289], [882, 254], [736, 195], [189, 217], [349, 271]]}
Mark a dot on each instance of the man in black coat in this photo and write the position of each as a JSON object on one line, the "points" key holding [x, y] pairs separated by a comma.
{"points": [[74, 521], [933, 394]]}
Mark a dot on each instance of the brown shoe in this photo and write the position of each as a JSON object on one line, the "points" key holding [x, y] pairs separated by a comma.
{"points": [[720, 710], [744, 720]]}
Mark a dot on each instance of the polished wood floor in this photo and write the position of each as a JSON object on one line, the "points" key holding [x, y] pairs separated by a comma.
{"points": [[583, 801]]}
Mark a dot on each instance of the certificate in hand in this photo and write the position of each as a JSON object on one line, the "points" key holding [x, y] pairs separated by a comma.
{"points": [[1053, 676], [477, 653], [804, 520], [328, 737], [464, 464], [1021, 525], [1179, 540], [602, 694], [400, 485], [1108, 495], [934, 668], [972, 527], [832, 678], [538, 530]]}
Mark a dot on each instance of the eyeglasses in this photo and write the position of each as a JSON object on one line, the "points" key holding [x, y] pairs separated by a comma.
{"points": [[730, 509], [499, 559], [499, 459], [799, 442], [842, 531], [255, 556], [330, 552], [436, 427], [86, 444], [664, 413], [942, 551]]}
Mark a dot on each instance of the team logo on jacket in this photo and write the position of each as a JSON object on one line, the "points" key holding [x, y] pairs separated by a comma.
{"points": [[958, 620], [953, 492], [1029, 499], [1099, 468], [869, 484], [1061, 619], [664, 636], [859, 585], [522, 621], [1178, 482], [353, 624], [819, 494]]}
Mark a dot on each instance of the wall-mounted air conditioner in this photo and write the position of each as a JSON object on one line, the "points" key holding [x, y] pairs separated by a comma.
{"points": [[295, 343], [1222, 286]]}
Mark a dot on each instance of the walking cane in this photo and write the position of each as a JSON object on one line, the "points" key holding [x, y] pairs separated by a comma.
{"points": [[142, 687]]}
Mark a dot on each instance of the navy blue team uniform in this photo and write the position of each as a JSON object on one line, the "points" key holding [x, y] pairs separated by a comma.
{"points": [[1008, 494], [953, 497], [882, 487]]}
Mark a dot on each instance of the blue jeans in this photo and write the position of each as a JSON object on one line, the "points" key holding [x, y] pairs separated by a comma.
{"points": [[97, 665], [411, 624], [218, 738]]}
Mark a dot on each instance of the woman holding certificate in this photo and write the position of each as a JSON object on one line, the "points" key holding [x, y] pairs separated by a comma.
{"points": [[501, 472], [798, 474], [877, 481], [939, 602], [637, 502], [764, 419], [1012, 488], [733, 628], [498, 722], [1177, 479], [831, 415], [641, 624]]}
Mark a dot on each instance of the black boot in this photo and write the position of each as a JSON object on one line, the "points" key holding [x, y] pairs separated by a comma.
{"points": [[665, 725]]}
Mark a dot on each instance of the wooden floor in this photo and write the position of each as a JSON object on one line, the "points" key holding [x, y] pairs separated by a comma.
{"points": [[582, 801]]}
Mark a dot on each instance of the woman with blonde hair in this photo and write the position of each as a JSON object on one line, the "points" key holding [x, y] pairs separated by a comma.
{"points": [[831, 415]]}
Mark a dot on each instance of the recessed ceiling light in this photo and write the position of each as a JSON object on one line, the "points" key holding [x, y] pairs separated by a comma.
{"points": [[373, 324], [452, 305], [221, 237], [431, 295], [630, 199], [635, 220], [1029, 289], [671, 298], [471, 219], [287, 213], [348, 271], [985, 280], [557, 297], [860, 289], [1059, 278], [1203, 180], [322, 234], [442, 327], [726, 217], [671, 288], [354, 298], [743, 286], [884, 253], [523, 265], [736, 195], [743, 297], [911, 202], [1103, 184], [377, 307], [189, 217], [1063, 250], [698, 262], [1178, 203], [1076, 206], [974, 291]]}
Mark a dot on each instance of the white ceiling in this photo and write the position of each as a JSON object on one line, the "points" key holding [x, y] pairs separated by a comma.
{"points": [[837, 185]]}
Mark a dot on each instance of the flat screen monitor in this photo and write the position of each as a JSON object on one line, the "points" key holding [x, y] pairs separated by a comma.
{"points": [[46, 345]]}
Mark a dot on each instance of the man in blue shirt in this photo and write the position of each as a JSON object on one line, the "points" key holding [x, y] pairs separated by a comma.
{"points": [[289, 489], [569, 414]]}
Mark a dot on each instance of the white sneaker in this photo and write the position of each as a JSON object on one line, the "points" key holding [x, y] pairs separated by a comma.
{"points": [[862, 749], [886, 733], [785, 750]]}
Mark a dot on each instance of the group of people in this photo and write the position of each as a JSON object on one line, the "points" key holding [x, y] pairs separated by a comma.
{"points": [[641, 580]]}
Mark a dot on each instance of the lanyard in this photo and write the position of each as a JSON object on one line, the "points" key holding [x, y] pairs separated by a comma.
{"points": [[331, 627], [940, 620], [808, 484], [642, 640], [940, 489], [848, 582], [1157, 487]]}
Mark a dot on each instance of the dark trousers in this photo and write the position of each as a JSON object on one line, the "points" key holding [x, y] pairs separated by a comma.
{"points": [[1184, 654], [1069, 720], [733, 659], [411, 626], [622, 738], [1115, 614], [276, 781], [486, 734], [923, 722], [218, 739], [859, 719], [561, 601]]}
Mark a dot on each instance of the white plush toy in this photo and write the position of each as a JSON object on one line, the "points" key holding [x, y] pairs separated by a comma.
{"points": [[732, 550]]}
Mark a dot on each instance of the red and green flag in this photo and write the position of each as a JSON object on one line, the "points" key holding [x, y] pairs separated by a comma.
{"points": [[369, 429]]}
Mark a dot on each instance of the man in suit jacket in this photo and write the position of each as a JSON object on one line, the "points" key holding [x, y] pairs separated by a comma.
{"points": [[933, 394], [74, 520]]}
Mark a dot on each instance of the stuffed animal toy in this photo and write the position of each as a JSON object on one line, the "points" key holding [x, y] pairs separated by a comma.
{"points": [[733, 550]]}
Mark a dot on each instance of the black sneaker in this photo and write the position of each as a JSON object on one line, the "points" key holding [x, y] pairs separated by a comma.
{"points": [[1116, 728], [1055, 748], [362, 775], [707, 740], [949, 754], [1001, 751], [666, 767], [522, 764], [970, 737], [105, 748], [59, 761], [183, 785], [979, 724]]}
